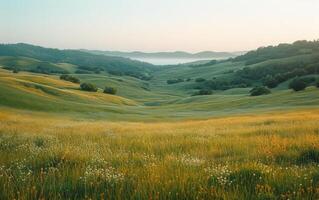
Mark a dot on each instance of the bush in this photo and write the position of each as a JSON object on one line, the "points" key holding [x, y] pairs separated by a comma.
{"points": [[317, 83], [109, 90], [88, 87], [69, 78], [259, 90], [297, 85], [200, 80], [15, 71], [204, 92]]}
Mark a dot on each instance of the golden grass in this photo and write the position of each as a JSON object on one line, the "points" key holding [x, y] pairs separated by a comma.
{"points": [[26, 82], [243, 157]]}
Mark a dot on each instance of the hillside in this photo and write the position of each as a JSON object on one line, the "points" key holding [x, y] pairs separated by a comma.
{"points": [[84, 61], [264, 66], [199, 90]]}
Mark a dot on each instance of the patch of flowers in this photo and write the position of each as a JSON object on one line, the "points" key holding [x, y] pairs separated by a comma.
{"points": [[191, 161], [98, 170], [219, 174]]}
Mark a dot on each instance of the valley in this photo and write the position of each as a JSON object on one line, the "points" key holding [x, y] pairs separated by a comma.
{"points": [[240, 128]]}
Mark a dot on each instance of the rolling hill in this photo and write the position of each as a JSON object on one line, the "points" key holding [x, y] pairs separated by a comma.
{"points": [[84, 61], [168, 92]]}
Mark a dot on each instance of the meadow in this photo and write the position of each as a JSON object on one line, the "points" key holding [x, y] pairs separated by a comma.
{"points": [[273, 155], [157, 138]]}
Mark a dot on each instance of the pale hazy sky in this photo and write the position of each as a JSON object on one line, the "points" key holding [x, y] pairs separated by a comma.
{"points": [[158, 25]]}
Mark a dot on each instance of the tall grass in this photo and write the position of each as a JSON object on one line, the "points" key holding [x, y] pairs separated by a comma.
{"points": [[269, 156]]}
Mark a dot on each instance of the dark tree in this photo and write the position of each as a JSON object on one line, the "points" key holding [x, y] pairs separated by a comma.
{"points": [[297, 85], [270, 82], [88, 87], [67, 77], [109, 90], [203, 92], [259, 90]]}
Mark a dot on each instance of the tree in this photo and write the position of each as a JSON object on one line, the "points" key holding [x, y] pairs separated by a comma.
{"points": [[67, 77], [317, 83], [203, 92], [109, 90], [88, 87], [259, 90], [297, 84], [270, 82]]}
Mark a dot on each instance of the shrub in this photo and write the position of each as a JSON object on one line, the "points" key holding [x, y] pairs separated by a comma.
{"points": [[15, 71], [109, 90], [200, 80], [67, 77], [204, 92], [259, 90], [317, 83], [297, 85], [88, 87]]}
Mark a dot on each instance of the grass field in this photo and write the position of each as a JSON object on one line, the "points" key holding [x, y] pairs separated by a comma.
{"points": [[262, 156], [153, 140]]}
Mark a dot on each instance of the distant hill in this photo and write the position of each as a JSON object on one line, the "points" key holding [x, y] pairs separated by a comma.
{"points": [[176, 54], [270, 66], [283, 50], [84, 61]]}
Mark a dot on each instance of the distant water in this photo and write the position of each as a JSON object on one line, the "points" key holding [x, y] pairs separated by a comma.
{"points": [[170, 61]]}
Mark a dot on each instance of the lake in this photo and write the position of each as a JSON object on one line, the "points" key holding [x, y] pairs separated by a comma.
{"points": [[170, 61]]}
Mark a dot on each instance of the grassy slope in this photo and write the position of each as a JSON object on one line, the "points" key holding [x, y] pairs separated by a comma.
{"points": [[184, 72], [46, 93], [27, 64]]}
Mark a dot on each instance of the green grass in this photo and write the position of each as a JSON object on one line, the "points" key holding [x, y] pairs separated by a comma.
{"points": [[40, 93], [29, 64]]}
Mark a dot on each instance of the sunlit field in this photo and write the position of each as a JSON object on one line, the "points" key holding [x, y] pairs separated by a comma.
{"points": [[264, 156]]}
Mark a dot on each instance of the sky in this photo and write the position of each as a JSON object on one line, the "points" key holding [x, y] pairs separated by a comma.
{"points": [[158, 25]]}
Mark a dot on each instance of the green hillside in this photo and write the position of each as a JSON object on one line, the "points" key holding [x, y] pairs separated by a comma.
{"points": [[169, 92], [84, 61]]}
